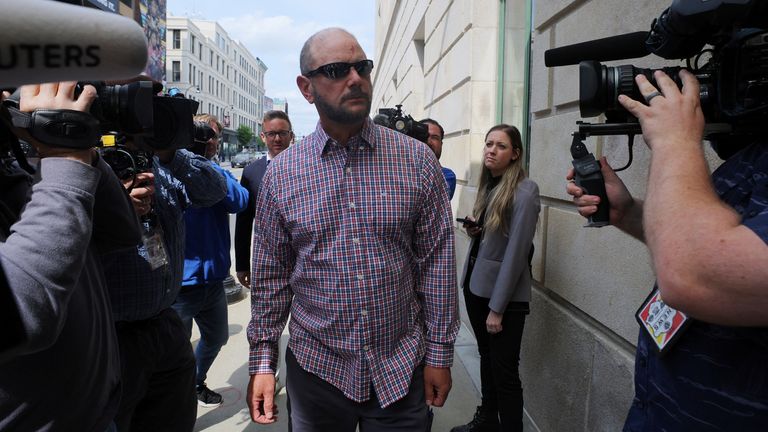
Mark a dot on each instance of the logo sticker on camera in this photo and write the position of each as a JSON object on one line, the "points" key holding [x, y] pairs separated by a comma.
{"points": [[662, 323]]}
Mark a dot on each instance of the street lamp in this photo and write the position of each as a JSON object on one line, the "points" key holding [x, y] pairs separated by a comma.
{"points": [[197, 89]]}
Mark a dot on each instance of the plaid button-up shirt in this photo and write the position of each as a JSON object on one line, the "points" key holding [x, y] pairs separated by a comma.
{"points": [[357, 242]]}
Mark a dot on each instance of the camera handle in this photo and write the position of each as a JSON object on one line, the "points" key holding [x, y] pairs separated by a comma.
{"points": [[587, 174]]}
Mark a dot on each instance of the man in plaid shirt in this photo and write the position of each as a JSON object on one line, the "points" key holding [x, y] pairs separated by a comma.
{"points": [[355, 240]]}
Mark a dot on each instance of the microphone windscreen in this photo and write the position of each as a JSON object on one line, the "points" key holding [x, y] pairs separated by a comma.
{"points": [[626, 46], [48, 41]]}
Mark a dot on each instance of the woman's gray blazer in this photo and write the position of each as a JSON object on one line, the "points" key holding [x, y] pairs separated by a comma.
{"points": [[501, 271]]}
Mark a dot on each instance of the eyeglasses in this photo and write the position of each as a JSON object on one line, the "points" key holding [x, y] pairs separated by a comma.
{"points": [[272, 134], [336, 71]]}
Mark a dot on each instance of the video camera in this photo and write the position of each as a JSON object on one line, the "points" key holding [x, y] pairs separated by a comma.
{"points": [[393, 118], [203, 133], [125, 162], [161, 122], [733, 78]]}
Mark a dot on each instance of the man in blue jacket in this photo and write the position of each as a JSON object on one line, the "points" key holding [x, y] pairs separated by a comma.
{"points": [[206, 265]]}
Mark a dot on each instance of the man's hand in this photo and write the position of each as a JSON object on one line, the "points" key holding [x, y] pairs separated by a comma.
{"points": [[672, 119], [56, 96], [141, 195], [261, 398], [618, 195], [245, 278], [437, 385]]}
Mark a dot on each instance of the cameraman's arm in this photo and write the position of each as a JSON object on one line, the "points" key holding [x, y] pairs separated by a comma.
{"points": [[708, 263], [203, 184], [236, 199], [45, 251], [115, 225]]}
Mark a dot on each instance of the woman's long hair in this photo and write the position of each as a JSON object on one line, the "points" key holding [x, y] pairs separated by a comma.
{"points": [[495, 204]]}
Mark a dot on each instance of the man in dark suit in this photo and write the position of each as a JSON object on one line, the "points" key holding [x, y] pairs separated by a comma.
{"points": [[277, 133]]}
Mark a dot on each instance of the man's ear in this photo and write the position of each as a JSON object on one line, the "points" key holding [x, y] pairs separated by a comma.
{"points": [[305, 86]]}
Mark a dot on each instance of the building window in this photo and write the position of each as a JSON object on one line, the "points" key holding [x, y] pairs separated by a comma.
{"points": [[176, 71], [176, 39], [189, 73], [192, 45], [200, 51]]}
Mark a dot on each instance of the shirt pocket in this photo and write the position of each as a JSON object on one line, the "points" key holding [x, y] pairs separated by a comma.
{"points": [[389, 213]]}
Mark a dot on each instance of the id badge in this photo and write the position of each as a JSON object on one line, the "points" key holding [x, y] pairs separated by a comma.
{"points": [[154, 246], [662, 323]]}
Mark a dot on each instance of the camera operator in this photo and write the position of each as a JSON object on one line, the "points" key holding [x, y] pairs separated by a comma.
{"points": [[158, 366], [707, 240], [59, 367], [206, 265]]}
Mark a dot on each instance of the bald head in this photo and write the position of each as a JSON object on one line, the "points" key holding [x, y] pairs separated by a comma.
{"points": [[306, 59]]}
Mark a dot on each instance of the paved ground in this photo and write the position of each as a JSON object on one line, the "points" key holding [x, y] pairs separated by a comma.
{"points": [[229, 376]]}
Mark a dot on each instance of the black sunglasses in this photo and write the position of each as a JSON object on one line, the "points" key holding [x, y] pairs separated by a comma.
{"points": [[335, 71]]}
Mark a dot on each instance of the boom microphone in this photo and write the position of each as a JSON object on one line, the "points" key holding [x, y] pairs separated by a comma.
{"points": [[47, 41], [630, 45]]}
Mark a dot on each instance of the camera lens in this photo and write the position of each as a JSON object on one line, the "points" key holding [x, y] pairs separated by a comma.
{"points": [[600, 87], [123, 108]]}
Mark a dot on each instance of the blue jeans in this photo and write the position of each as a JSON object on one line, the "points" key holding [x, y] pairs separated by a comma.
{"points": [[207, 305]]}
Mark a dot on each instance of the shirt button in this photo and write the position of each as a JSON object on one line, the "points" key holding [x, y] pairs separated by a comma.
{"points": [[364, 312], [349, 170], [360, 277], [361, 147], [356, 241], [366, 348], [351, 205]]}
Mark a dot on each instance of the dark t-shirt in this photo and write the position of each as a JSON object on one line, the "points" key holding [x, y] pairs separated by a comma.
{"points": [[715, 378]]}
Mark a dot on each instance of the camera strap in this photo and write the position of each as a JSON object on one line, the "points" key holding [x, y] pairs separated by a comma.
{"points": [[59, 128]]}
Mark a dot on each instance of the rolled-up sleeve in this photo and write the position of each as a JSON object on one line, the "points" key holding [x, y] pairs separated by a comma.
{"points": [[203, 184]]}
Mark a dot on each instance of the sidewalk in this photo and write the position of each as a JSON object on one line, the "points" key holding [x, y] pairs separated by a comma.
{"points": [[229, 376]]}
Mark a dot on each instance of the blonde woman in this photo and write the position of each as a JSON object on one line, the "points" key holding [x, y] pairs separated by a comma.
{"points": [[497, 278]]}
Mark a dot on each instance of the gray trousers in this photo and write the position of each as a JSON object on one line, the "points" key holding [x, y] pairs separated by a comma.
{"points": [[317, 406]]}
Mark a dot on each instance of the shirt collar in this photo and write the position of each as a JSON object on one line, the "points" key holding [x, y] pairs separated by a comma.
{"points": [[366, 137]]}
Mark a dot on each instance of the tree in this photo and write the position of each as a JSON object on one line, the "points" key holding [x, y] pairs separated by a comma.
{"points": [[244, 135], [260, 143]]}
